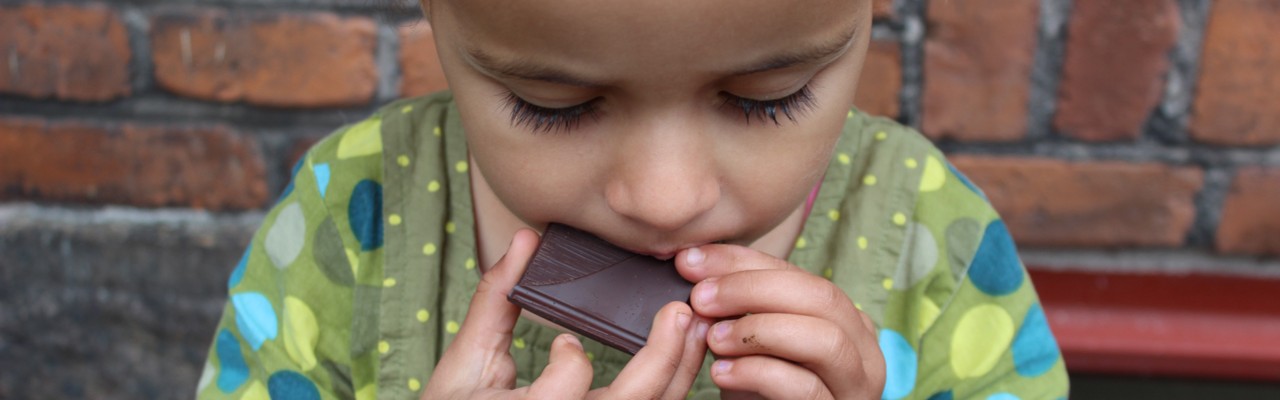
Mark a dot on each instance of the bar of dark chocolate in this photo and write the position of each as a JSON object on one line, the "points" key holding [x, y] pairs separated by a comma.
{"points": [[596, 289]]}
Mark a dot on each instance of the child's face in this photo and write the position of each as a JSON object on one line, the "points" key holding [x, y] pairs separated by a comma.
{"points": [[657, 125]]}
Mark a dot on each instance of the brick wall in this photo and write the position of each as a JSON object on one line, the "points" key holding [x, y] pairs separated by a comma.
{"points": [[140, 142]]}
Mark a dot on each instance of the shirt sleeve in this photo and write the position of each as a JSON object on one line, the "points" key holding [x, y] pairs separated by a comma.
{"points": [[968, 324], [285, 329]]}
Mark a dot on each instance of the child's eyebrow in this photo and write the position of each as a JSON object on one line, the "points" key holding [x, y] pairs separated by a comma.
{"points": [[527, 69]]}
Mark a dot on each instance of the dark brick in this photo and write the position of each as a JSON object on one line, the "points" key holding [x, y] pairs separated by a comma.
{"points": [[1236, 102], [65, 52]]}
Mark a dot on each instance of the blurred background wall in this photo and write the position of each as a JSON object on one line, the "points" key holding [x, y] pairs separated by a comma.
{"points": [[141, 141]]}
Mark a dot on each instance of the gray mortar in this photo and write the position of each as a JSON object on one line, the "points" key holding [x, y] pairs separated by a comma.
{"points": [[138, 26], [1168, 122], [387, 59], [912, 31], [1209, 202], [1046, 70]]}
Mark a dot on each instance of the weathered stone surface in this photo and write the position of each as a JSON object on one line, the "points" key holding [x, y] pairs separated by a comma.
{"points": [[1113, 76], [1055, 203], [283, 59], [977, 68], [111, 304], [419, 64], [146, 165], [1251, 215], [1236, 102], [881, 79], [66, 52]]}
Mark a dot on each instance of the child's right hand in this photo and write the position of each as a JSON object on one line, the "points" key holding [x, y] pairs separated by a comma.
{"points": [[477, 364]]}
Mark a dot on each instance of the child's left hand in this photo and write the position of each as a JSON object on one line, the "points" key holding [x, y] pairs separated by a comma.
{"points": [[798, 328]]}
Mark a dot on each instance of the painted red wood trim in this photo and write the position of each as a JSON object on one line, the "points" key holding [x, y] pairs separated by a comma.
{"points": [[1192, 325]]}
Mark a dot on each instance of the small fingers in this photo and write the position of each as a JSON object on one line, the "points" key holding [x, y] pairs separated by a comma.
{"points": [[568, 374], [835, 357], [491, 317], [772, 291], [657, 364], [712, 260], [762, 375]]}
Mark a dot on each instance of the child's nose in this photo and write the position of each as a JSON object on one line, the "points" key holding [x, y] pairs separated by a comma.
{"points": [[665, 181]]}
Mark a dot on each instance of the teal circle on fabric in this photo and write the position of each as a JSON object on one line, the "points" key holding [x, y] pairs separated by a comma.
{"points": [[996, 269], [290, 385], [293, 174], [238, 273], [255, 317], [1035, 350], [1003, 396], [322, 178], [900, 363], [943, 395], [965, 180], [232, 370], [364, 212]]}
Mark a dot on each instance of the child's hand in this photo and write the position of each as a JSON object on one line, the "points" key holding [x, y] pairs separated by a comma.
{"points": [[477, 364], [799, 328]]}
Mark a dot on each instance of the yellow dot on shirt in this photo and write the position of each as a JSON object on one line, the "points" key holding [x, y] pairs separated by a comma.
{"points": [[449, 227], [519, 343], [414, 385], [887, 283], [980, 340], [869, 180], [826, 273], [436, 131], [899, 219], [862, 242], [850, 114], [844, 158], [881, 135], [591, 356], [384, 347], [857, 306], [801, 243], [434, 186], [911, 163], [355, 262], [451, 327], [423, 315], [403, 161], [406, 109], [394, 219], [389, 282], [470, 264], [933, 176], [833, 214], [460, 166], [429, 249]]}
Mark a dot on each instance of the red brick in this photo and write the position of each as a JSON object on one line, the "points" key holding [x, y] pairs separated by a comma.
{"points": [[1116, 60], [1236, 101], [881, 79], [1056, 203], [1251, 215], [977, 68], [419, 64], [150, 166], [881, 9], [65, 52], [283, 60]]}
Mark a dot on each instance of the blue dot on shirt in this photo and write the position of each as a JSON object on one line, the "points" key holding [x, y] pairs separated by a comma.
{"points": [[365, 214], [255, 317], [1034, 348], [322, 178], [1003, 396], [238, 273], [995, 268], [900, 365], [289, 385], [943, 395], [232, 370]]}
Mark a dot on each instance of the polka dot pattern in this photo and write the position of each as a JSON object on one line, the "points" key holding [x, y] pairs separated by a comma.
{"points": [[290, 385], [934, 176], [996, 269], [1003, 396], [1034, 349], [232, 369], [361, 139], [330, 255], [365, 213], [255, 318], [924, 255], [286, 237], [900, 363], [322, 177], [979, 340], [300, 333], [943, 395]]}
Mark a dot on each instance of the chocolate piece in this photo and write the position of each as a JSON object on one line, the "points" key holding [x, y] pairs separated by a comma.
{"points": [[596, 289]]}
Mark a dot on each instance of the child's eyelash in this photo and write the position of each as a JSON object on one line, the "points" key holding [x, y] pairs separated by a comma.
{"points": [[789, 105], [543, 119]]}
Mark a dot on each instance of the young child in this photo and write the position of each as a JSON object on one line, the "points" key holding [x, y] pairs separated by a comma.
{"points": [[836, 255]]}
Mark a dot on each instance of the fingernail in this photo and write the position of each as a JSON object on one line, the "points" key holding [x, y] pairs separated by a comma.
{"points": [[693, 257], [721, 330], [572, 340], [682, 320], [701, 331], [721, 367], [706, 292]]}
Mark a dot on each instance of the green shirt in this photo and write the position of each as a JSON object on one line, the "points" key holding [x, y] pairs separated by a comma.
{"points": [[361, 274]]}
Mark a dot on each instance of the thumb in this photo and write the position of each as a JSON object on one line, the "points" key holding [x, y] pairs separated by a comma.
{"points": [[568, 373], [491, 317]]}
